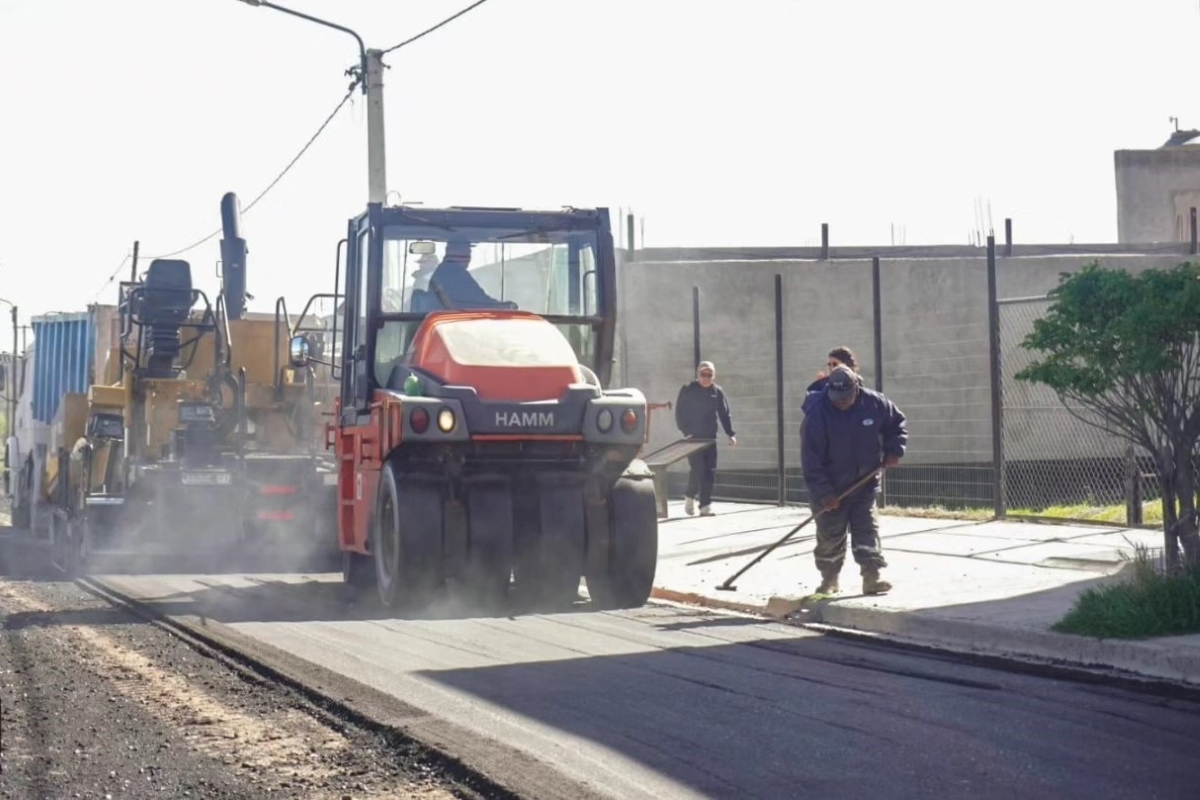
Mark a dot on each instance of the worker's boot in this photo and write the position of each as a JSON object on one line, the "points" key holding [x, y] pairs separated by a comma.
{"points": [[689, 506], [829, 583], [706, 511], [873, 584]]}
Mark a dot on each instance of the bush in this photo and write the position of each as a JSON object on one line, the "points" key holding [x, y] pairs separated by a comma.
{"points": [[1149, 603]]}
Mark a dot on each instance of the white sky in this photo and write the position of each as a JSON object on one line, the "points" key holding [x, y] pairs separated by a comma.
{"points": [[721, 123]]}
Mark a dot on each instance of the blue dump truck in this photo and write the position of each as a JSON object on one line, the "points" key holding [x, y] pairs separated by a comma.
{"points": [[52, 380]]}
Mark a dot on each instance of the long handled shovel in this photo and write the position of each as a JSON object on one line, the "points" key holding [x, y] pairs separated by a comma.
{"points": [[728, 586]]}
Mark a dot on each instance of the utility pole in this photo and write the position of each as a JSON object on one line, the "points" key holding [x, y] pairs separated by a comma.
{"points": [[13, 382], [376, 149]]}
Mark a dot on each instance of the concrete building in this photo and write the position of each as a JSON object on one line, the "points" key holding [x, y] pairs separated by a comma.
{"points": [[1156, 190]]}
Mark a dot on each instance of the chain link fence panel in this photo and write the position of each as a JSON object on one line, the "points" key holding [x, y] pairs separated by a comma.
{"points": [[1060, 460]]}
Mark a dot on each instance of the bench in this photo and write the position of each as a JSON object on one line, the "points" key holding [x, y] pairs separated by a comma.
{"points": [[661, 460]]}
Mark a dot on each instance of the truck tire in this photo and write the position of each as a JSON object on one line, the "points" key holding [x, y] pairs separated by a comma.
{"points": [[628, 577], [406, 540], [553, 548], [22, 514], [490, 542], [358, 574], [65, 544]]}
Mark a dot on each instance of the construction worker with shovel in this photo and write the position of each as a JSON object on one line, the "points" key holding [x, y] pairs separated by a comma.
{"points": [[848, 431]]}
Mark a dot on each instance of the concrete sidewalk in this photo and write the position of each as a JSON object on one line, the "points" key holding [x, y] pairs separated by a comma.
{"points": [[991, 588]]}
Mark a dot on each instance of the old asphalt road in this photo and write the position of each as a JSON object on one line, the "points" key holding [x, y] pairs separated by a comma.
{"points": [[97, 703], [672, 702]]}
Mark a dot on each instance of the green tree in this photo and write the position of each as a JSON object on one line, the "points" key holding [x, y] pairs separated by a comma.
{"points": [[1127, 347]]}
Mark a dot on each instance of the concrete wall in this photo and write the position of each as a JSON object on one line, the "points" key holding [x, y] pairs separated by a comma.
{"points": [[935, 363], [1155, 190]]}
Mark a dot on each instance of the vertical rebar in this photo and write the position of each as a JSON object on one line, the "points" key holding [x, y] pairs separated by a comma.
{"points": [[696, 327]]}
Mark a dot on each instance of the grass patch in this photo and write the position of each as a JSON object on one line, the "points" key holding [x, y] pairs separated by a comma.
{"points": [[1148, 603], [1115, 514], [937, 512], [1109, 515]]}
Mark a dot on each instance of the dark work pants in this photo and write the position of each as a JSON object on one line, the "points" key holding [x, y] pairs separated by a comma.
{"points": [[858, 514], [703, 474]]}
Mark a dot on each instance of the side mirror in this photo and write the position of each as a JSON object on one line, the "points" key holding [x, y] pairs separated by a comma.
{"points": [[298, 352]]}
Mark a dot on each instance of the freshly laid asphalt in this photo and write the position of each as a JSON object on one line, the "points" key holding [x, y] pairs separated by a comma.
{"points": [[669, 701], [666, 701]]}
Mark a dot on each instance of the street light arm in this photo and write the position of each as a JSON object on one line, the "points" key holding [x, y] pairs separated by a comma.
{"points": [[362, 48]]}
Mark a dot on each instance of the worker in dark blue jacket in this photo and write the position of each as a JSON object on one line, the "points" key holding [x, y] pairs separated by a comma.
{"points": [[698, 407], [848, 432], [838, 356]]}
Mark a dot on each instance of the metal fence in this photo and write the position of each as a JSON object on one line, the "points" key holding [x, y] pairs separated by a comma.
{"points": [[979, 438], [1060, 459]]}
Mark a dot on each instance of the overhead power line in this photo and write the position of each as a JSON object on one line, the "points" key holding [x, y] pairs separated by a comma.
{"points": [[428, 31], [254, 202]]}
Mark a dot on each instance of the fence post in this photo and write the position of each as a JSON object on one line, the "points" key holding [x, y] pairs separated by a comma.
{"points": [[780, 444], [696, 327], [877, 314], [824, 241], [1133, 485], [999, 484], [629, 242], [1008, 246]]}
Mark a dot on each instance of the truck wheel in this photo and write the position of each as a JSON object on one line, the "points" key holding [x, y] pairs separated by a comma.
{"points": [[358, 574], [628, 579], [407, 540], [66, 544], [550, 561], [76, 534], [22, 515], [490, 550]]}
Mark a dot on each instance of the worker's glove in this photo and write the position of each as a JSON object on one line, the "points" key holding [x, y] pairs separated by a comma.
{"points": [[830, 503], [890, 460], [733, 441]]}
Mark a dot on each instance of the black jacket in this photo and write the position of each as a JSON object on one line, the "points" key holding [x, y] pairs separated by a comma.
{"points": [[697, 410]]}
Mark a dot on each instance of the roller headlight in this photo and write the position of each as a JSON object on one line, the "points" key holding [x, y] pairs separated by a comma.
{"points": [[445, 420], [604, 420]]}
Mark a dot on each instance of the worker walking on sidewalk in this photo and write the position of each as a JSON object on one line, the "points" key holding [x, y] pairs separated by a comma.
{"points": [[848, 431], [698, 407]]}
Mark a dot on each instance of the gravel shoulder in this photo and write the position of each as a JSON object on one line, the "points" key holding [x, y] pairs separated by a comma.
{"points": [[113, 706]]}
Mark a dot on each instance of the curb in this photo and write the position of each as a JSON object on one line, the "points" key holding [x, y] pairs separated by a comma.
{"points": [[1158, 662], [693, 599]]}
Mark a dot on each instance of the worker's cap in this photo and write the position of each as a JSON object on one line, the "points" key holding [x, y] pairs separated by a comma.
{"points": [[458, 249], [706, 366], [842, 383]]}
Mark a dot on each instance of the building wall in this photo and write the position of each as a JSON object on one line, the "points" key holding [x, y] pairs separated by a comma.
{"points": [[1155, 190], [935, 349]]}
